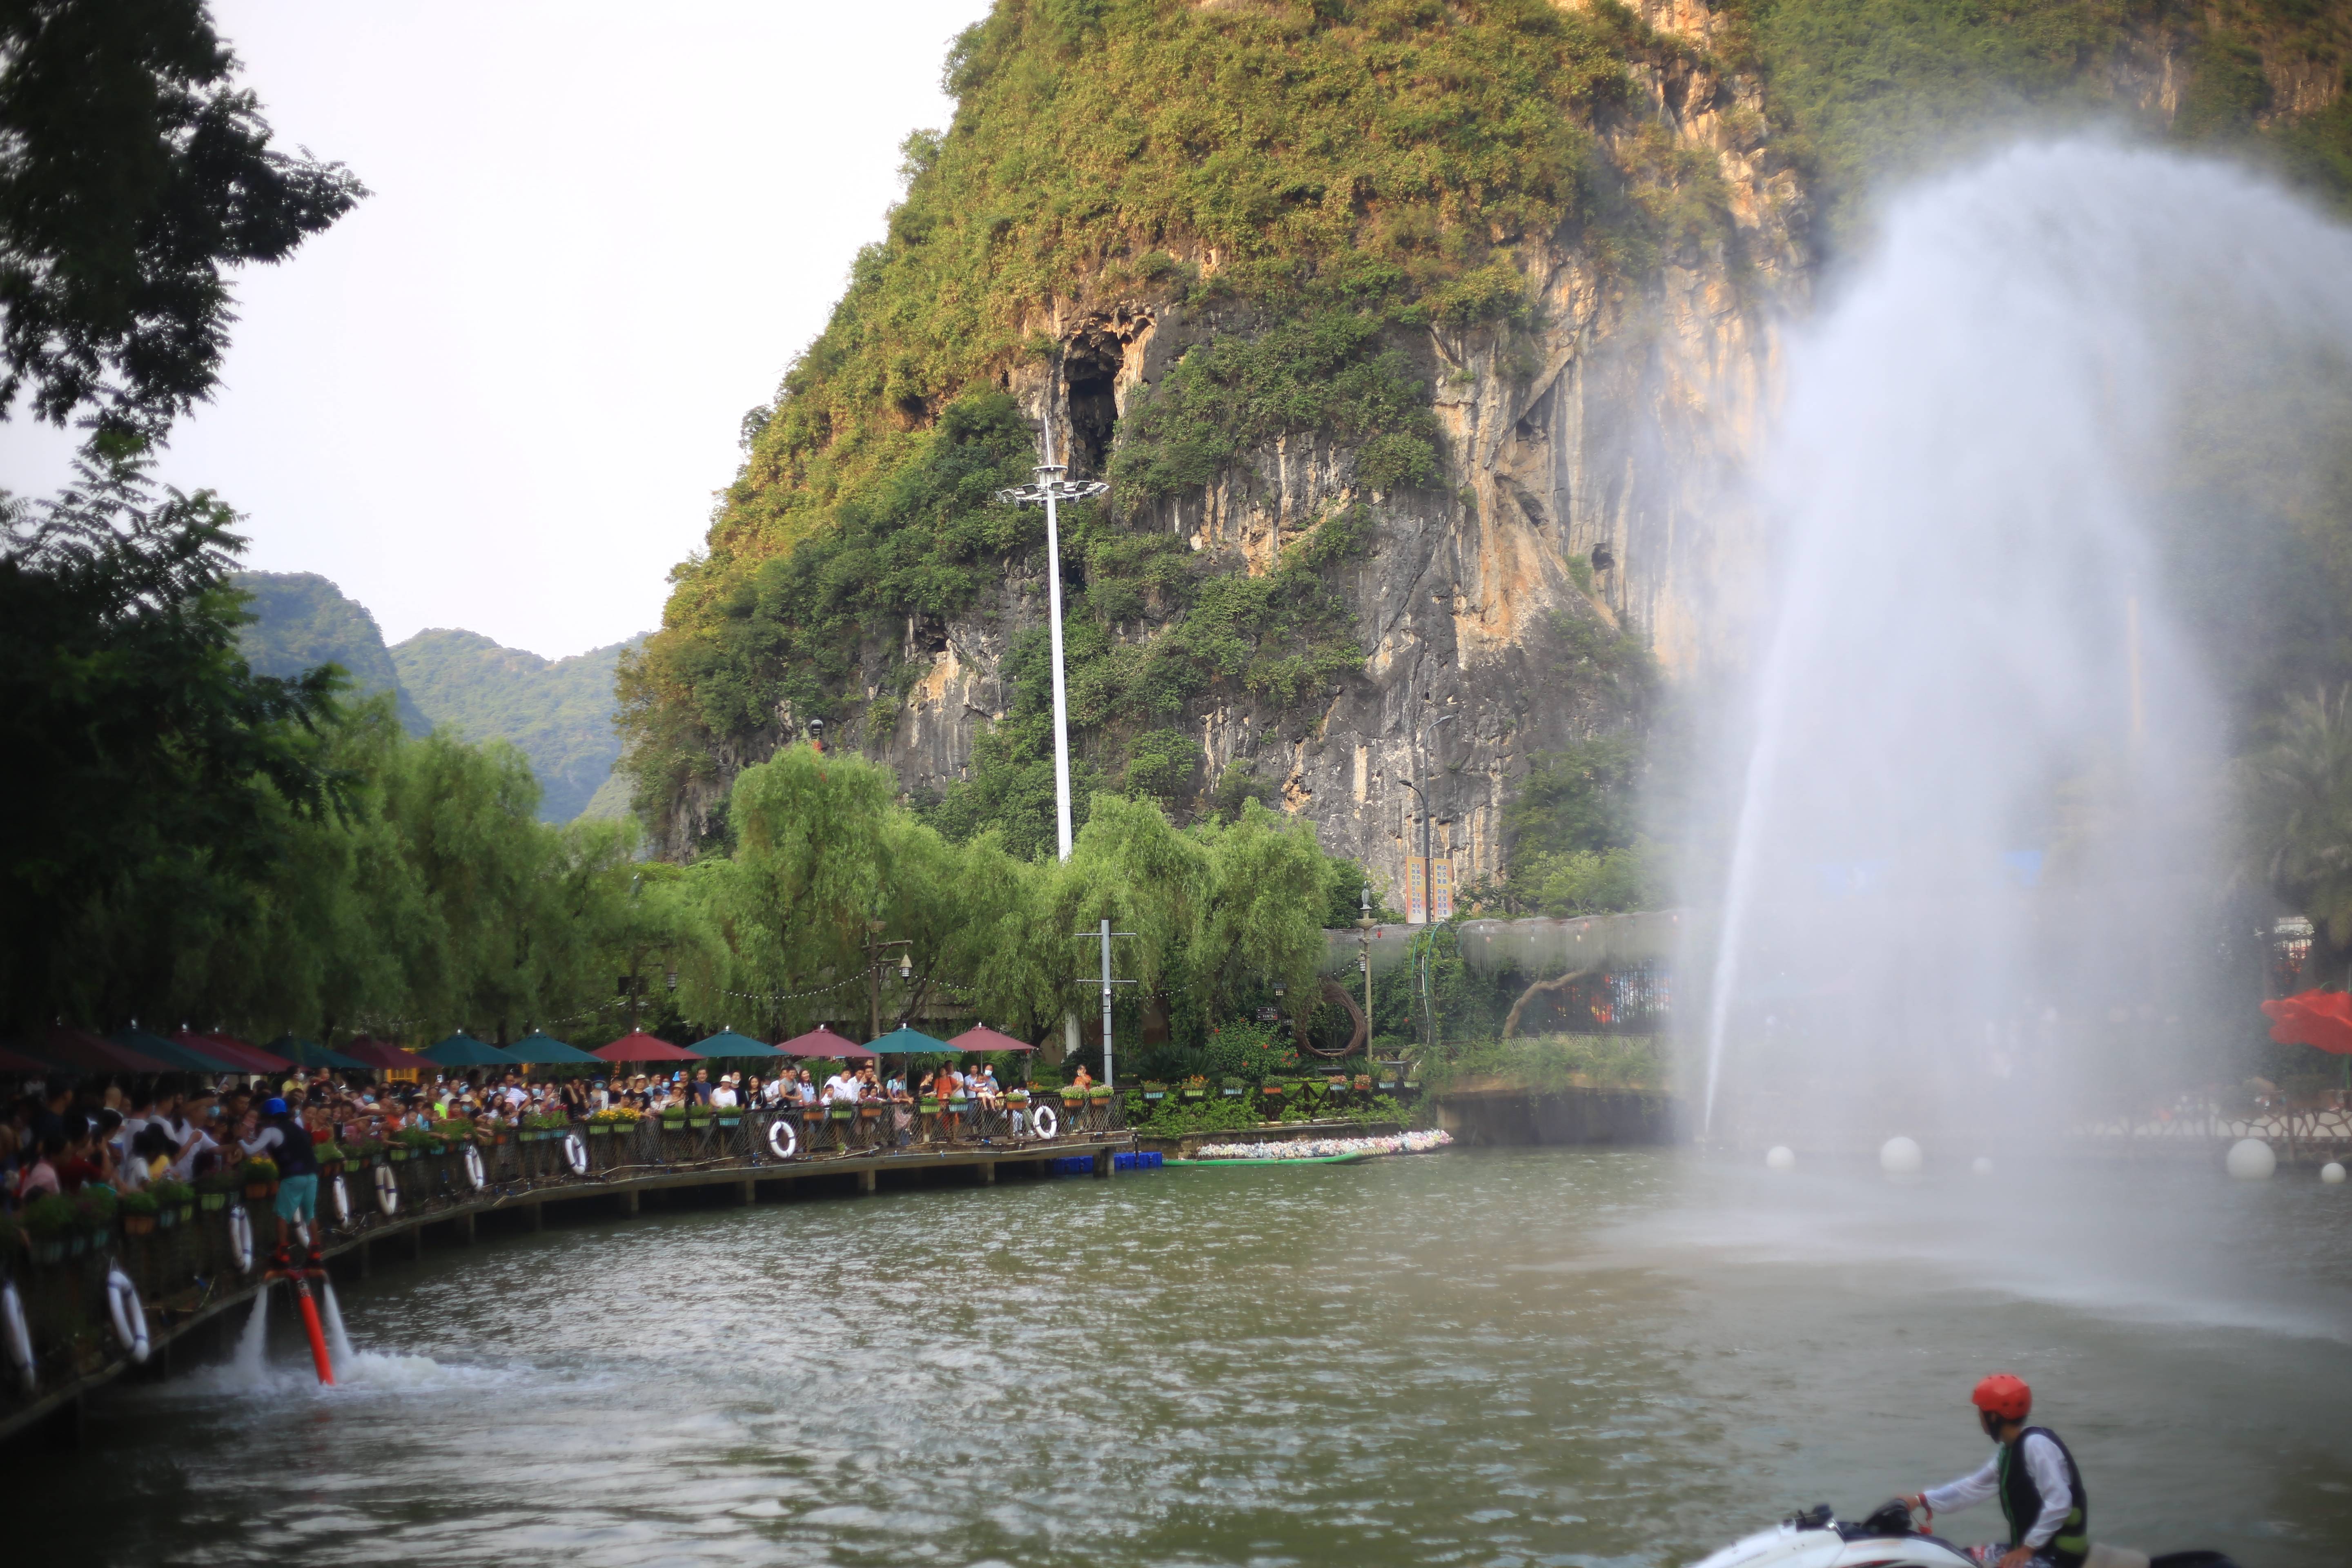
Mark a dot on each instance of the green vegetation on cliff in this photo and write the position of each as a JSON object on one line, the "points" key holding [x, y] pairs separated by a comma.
{"points": [[301, 620], [557, 712]]}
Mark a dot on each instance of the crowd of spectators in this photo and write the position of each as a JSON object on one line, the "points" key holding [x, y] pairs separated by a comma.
{"points": [[127, 1132]]}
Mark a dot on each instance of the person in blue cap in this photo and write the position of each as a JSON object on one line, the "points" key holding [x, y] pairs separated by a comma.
{"points": [[282, 1138]]}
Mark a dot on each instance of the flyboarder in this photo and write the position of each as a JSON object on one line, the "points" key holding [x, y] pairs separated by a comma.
{"points": [[284, 1139], [2040, 1487]]}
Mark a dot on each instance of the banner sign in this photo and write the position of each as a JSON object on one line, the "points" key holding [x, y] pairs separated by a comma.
{"points": [[1416, 890]]}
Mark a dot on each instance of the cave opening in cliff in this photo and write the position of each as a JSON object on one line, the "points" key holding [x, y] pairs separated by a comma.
{"points": [[1090, 367]]}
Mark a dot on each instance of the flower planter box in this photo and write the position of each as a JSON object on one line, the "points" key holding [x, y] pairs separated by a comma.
{"points": [[928, 1107], [166, 1218], [137, 1224], [213, 1203], [599, 1128], [397, 1155], [730, 1122], [1232, 1094], [48, 1252], [1196, 1094], [187, 1214], [260, 1190]]}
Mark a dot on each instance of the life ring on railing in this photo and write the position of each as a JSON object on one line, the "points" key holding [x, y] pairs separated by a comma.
{"points": [[782, 1141], [20, 1339], [240, 1238], [575, 1153], [387, 1190], [474, 1167], [1043, 1122], [341, 1196], [130, 1317]]}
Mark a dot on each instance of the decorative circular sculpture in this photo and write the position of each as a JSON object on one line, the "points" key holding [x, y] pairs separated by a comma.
{"points": [[2250, 1160]]}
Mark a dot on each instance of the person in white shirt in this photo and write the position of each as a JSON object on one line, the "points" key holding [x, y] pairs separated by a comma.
{"points": [[723, 1096], [840, 1090], [2036, 1478]]}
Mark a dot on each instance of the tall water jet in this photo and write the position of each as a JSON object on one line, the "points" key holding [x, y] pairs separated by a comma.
{"points": [[337, 1341], [1976, 780], [251, 1364]]}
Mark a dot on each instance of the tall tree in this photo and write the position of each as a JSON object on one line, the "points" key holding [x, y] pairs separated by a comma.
{"points": [[132, 175]]}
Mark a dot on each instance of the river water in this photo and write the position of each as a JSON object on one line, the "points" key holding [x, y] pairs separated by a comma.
{"points": [[1494, 1357]]}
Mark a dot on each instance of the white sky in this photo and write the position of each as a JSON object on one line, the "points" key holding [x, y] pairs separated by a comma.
{"points": [[502, 393]]}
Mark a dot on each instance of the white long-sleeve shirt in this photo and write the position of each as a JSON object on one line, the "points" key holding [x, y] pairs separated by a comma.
{"points": [[2044, 1462]]}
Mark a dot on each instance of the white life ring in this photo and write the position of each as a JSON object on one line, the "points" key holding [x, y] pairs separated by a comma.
{"points": [[575, 1153], [1044, 1121], [20, 1339], [240, 1238], [341, 1197], [387, 1190], [474, 1166], [130, 1317], [782, 1141]]}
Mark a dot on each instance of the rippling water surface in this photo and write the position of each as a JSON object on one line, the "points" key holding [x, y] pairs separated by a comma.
{"points": [[1539, 1356]]}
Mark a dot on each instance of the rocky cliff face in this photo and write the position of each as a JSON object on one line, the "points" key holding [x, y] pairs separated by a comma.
{"points": [[1591, 470]]}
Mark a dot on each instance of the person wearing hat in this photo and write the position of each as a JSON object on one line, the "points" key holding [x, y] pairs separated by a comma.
{"points": [[284, 1139], [2036, 1478]]}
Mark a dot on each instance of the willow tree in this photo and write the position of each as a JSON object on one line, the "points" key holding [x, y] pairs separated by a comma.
{"points": [[1269, 884]]}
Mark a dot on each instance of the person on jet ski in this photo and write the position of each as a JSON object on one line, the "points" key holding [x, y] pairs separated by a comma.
{"points": [[2039, 1485]]}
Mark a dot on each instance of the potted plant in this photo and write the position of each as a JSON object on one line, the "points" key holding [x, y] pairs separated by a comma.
{"points": [[1196, 1087], [175, 1201], [138, 1212], [361, 1152], [330, 1158], [1363, 1083], [213, 1189], [260, 1178], [50, 1221], [1154, 1090], [1233, 1086], [94, 1213], [1099, 1092], [545, 1125]]}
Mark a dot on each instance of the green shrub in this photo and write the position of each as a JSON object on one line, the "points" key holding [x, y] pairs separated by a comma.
{"points": [[50, 1217], [140, 1203]]}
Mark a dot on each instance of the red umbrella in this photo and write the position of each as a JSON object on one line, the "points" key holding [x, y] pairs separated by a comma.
{"points": [[980, 1038], [2321, 1019], [640, 1047], [85, 1052], [382, 1054], [823, 1044], [17, 1061], [230, 1049]]}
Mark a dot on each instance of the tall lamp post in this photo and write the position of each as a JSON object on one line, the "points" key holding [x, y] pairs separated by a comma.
{"points": [[1051, 489]]}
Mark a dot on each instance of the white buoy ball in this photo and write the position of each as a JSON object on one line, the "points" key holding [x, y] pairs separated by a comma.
{"points": [[1781, 1157], [1983, 1166], [2332, 1173], [2250, 1160], [1901, 1157]]}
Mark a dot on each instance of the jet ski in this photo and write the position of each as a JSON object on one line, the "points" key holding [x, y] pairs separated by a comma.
{"points": [[1887, 1539]]}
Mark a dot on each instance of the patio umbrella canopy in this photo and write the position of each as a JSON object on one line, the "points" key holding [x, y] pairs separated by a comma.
{"points": [[980, 1038], [903, 1041], [462, 1050], [369, 1051], [187, 1058], [540, 1046], [17, 1061], [726, 1043], [823, 1044], [2321, 1018], [311, 1054], [229, 1049], [640, 1047]]}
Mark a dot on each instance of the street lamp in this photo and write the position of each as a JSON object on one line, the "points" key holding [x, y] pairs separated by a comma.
{"points": [[1052, 489]]}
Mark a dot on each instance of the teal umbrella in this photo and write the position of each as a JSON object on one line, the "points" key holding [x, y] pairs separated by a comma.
{"points": [[462, 1050], [728, 1043], [539, 1046], [903, 1041], [311, 1054], [187, 1057]]}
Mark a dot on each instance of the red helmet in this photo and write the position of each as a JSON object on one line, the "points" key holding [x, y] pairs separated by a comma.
{"points": [[2005, 1395]]}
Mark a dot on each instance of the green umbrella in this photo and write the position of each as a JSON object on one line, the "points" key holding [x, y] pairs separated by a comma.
{"points": [[462, 1050], [147, 1044], [728, 1043], [903, 1041], [539, 1046]]}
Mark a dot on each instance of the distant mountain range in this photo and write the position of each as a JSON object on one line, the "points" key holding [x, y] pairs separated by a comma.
{"points": [[558, 713]]}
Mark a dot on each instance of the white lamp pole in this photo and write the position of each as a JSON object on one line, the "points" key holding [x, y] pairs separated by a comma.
{"points": [[1050, 489]]}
